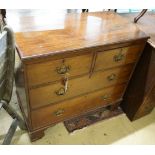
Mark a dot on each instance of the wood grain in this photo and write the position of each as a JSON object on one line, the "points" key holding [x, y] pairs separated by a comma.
{"points": [[107, 59], [74, 107], [88, 42], [47, 71], [138, 93], [78, 31], [147, 105], [46, 95]]}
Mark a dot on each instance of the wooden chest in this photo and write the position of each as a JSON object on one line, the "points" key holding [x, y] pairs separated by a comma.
{"points": [[139, 98], [84, 64]]}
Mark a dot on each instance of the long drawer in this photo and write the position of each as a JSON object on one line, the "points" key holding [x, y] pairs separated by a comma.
{"points": [[117, 57], [50, 71], [48, 94], [70, 108]]}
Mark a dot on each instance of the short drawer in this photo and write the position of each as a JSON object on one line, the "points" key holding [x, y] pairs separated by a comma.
{"points": [[70, 108], [49, 94], [50, 71], [117, 57]]}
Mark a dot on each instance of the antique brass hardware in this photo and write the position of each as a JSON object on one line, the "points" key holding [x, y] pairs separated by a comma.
{"points": [[59, 112], [61, 91], [63, 69], [118, 57], [111, 77], [66, 83], [105, 97]]}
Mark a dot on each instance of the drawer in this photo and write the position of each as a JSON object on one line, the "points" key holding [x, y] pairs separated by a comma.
{"points": [[79, 86], [70, 108], [49, 71], [117, 57]]}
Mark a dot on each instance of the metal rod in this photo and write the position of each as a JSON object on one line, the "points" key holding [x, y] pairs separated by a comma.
{"points": [[140, 15], [14, 115], [10, 133], [1, 104]]}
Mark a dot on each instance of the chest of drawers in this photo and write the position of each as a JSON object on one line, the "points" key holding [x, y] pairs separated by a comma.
{"points": [[67, 72], [137, 104]]}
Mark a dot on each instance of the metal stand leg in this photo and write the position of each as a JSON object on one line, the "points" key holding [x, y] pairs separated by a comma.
{"points": [[10, 132], [140, 15], [14, 115], [115, 10], [17, 121], [85, 10], [1, 105], [3, 12]]}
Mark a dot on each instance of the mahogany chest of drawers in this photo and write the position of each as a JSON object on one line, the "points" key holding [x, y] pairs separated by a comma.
{"points": [[137, 104], [85, 62]]}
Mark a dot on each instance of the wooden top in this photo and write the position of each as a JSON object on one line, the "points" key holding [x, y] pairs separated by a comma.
{"points": [[77, 31]]}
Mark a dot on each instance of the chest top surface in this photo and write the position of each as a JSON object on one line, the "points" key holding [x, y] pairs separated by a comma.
{"points": [[74, 31]]}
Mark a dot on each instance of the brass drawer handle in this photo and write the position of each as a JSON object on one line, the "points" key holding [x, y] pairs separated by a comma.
{"points": [[105, 97], [61, 91], [63, 69], [111, 77], [118, 57], [59, 112]]}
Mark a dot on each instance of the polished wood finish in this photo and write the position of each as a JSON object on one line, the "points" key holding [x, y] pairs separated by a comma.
{"points": [[50, 71], [77, 31], [36, 135], [147, 105], [71, 108], [142, 102], [46, 95], [21, 89], [138, 99], [80, 64], [118, 57], [40, 70]]}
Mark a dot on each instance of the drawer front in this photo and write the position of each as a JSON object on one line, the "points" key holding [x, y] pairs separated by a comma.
{"points": [[49, 71], [79, 86], [70, 108], [117, 57]]}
